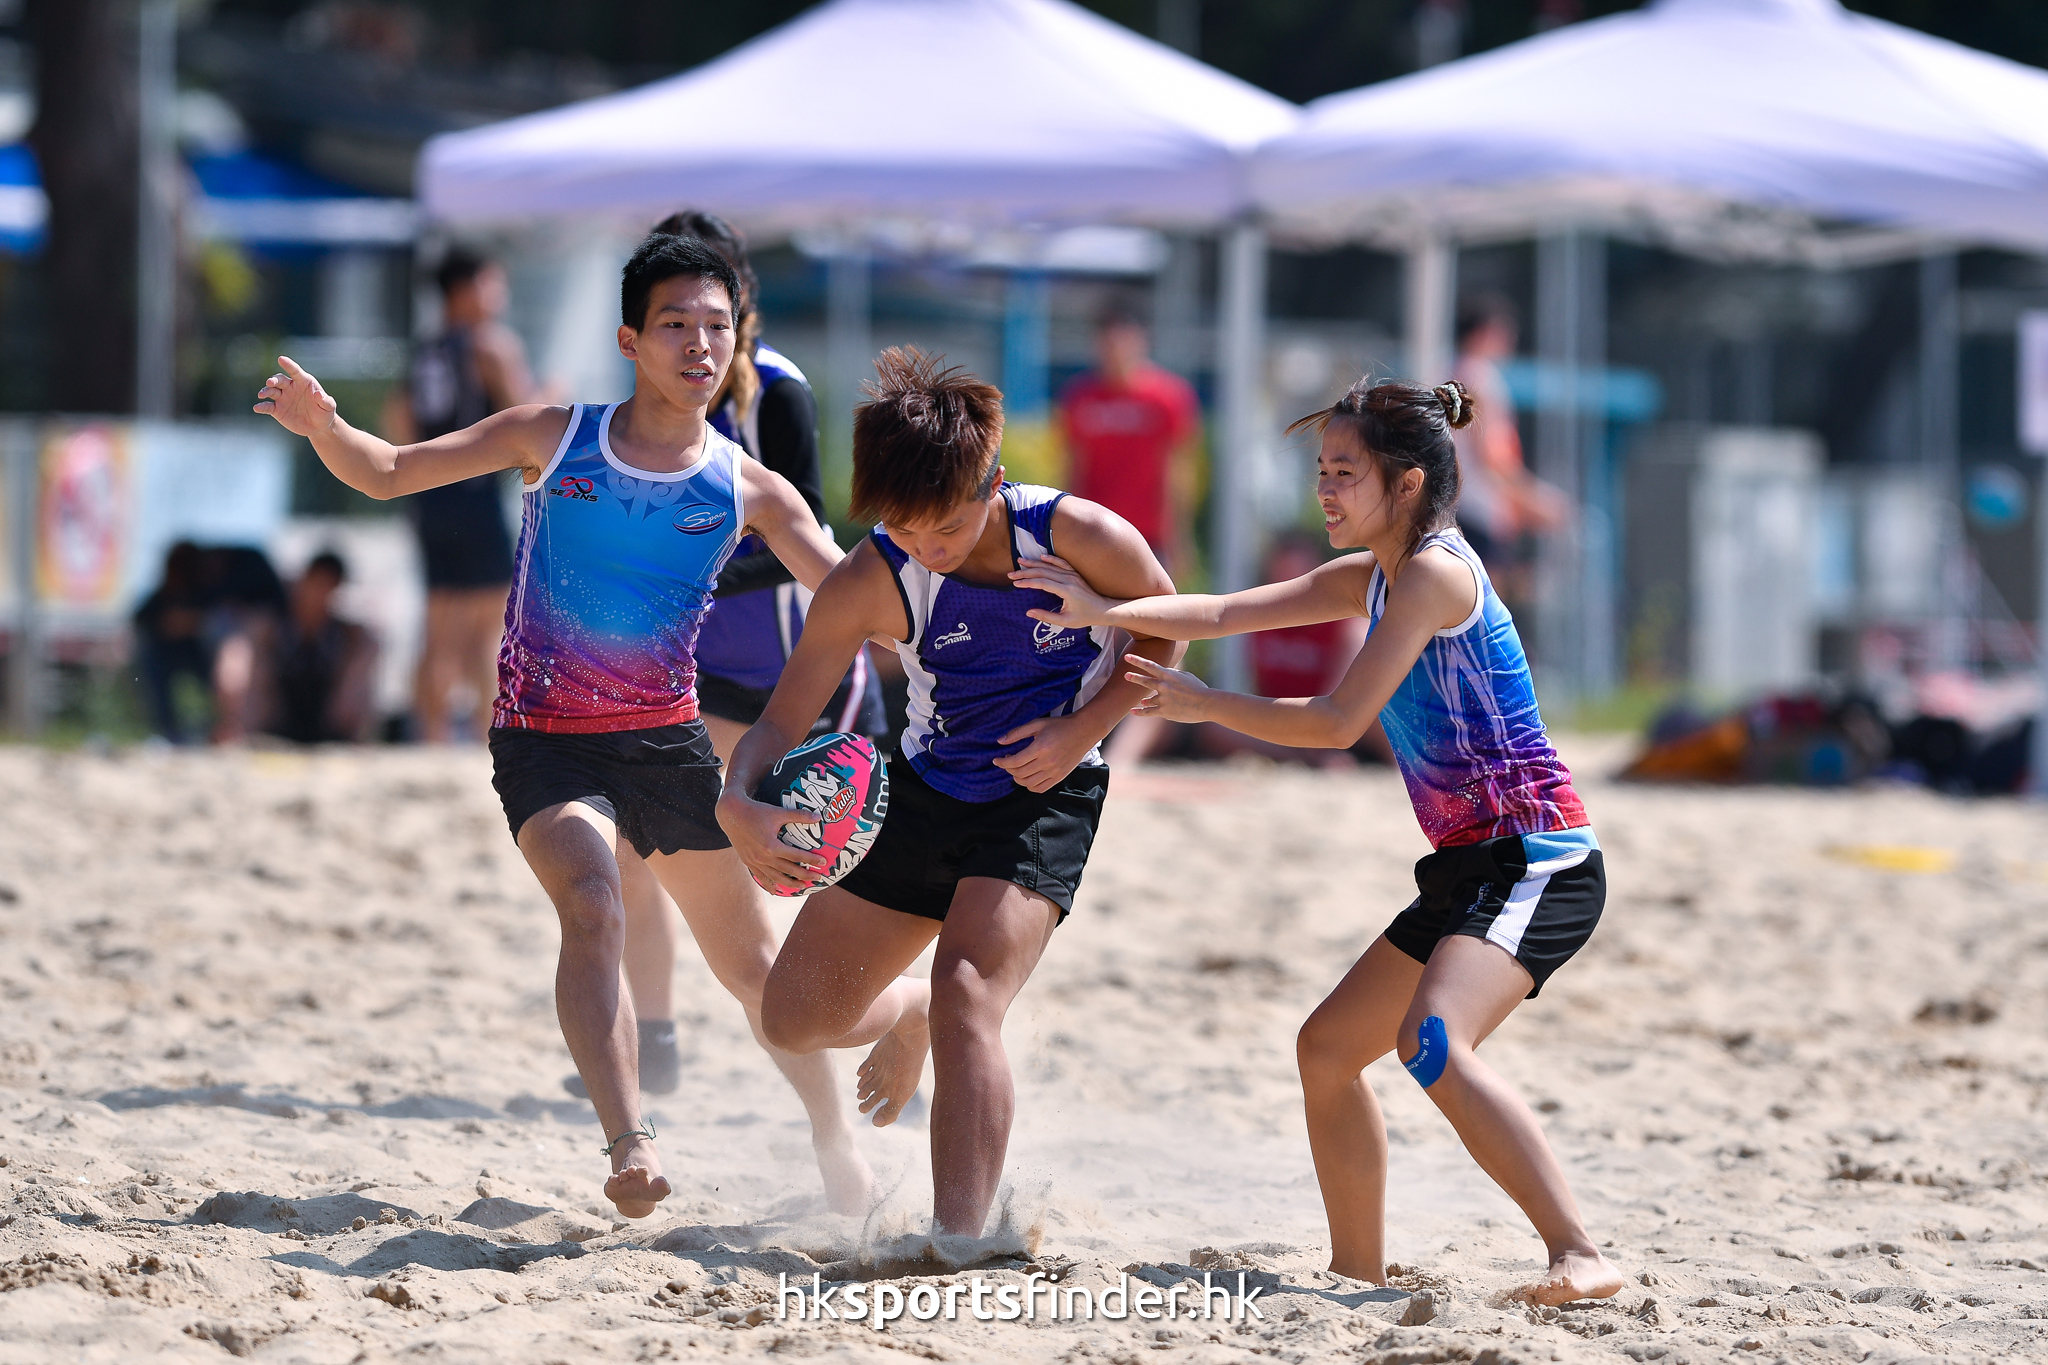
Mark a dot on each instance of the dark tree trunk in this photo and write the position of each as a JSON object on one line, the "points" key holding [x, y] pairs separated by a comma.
{"points": [[88, 143]]}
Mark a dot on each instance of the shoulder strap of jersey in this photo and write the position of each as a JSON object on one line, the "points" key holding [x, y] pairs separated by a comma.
{"points": [[1031, 507], [587, 431], [892, 553], [579, 434], [1452, 539], [899, 564]]}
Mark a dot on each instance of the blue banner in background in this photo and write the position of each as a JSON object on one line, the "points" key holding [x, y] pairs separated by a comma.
{"points": [[1618, 395]]}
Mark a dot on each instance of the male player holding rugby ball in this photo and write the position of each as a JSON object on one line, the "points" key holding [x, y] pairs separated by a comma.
{"points": [[994, 800]]}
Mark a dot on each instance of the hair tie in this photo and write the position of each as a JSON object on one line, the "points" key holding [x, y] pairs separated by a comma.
{"points": [[1457, 405]]}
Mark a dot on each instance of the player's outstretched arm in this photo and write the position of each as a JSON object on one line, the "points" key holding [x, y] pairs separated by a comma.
{"points": [[1435, 591], [1108, 550], [1331, 592], [522, 438], [779, 515], [856, 600]]}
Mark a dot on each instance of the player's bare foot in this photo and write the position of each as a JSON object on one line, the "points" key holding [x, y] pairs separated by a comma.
{"points": [[849, 1181], [1573, 1275], [637, 1185], [1373, 1272], [889, 1077]]}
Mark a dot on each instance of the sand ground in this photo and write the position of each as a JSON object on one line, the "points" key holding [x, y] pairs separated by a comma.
{"points": [[280, 1078]]}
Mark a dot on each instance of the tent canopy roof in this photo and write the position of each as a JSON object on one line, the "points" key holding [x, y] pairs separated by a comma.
{"points": [[1786, 104], [983, 110]]}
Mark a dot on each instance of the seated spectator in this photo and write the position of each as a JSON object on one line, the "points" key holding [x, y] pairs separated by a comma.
{"points": [[171, 639], [304, 676], [209, 595]]}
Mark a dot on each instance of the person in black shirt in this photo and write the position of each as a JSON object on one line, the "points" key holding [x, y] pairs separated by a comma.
{"points": [[322, 664], [474, 368], [301, 673]]}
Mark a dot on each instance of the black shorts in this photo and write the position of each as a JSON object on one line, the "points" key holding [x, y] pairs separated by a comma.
{"points": [[743, 705], [462, 535], [929, 841], [1541, 914], [659, 786]]}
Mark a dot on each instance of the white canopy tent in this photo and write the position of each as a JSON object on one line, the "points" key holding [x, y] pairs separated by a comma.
{"points": [[972, 110], [968, 112], [1667, 111], [1775, 129]]}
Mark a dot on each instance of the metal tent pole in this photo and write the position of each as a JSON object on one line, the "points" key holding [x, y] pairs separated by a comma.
{"points": [[1177, 307], [1027, 345], [2033, 424], [1240, 379], [1598, 667], [2037, 765], [18, 458], [1939, 342], [1429, 314], [849, 361], [1561, 289]]}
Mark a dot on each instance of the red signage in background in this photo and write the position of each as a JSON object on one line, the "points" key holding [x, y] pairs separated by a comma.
{"points": [[82, 517]]}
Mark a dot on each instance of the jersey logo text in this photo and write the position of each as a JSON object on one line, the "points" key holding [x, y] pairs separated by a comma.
{"points": [[700, 521], [582, 490], [957, 636], [1047, 637]]}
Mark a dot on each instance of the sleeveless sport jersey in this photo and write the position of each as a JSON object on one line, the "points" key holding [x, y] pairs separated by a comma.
{"points": [[614, 569], [979, 667], [748, 637], [1465, 730]]}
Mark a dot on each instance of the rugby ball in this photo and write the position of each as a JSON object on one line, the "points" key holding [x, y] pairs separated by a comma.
{"points": [[843, 781]]}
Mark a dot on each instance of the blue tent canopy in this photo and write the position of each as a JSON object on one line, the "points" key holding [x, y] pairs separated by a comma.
{"points": [[23, 206], [251, 175], [244, 197], [251, 198]]}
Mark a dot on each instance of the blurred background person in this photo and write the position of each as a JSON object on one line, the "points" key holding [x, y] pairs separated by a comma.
{"points": [[1291, 661], [200, 624], [304, 675], [1132, 430], [1299, 661], [1502, 506], [475, 367], [171, 640]]}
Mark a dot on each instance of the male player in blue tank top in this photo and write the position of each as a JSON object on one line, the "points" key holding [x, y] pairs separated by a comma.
{"points": [[631, 510], [999, 782], [757, 613]]}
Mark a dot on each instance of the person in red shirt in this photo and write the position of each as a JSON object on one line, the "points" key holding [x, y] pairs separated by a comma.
{"points": [[1131, 430], [1298, 661]]}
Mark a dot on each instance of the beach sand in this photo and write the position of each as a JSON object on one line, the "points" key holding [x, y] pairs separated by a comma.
{"points": [[280, 1078]]}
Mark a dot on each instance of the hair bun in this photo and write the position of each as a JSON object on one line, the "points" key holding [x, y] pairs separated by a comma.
{"points": [[1456, 401]]}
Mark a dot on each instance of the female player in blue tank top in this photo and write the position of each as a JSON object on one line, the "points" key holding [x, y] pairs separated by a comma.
{"points": [[994, 801], [1516, 884], [631, 510]]}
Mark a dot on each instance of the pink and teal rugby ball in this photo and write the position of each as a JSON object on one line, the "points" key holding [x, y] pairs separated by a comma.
{"points": [[843, 781]]}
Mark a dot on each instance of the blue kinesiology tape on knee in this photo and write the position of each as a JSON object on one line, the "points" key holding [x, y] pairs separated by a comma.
{"points": [[1432, 1051]]}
